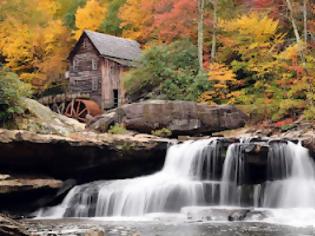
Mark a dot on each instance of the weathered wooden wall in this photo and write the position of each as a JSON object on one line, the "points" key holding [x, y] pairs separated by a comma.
{"points": [[82, 75], [106, 76], [111, 72]]}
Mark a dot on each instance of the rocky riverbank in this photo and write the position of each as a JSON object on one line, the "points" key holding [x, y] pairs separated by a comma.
{"points": [[36, 169]]}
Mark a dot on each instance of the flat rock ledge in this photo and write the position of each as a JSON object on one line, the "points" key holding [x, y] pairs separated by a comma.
{"points": [[84, 156], [37, 170], [28, 193]]}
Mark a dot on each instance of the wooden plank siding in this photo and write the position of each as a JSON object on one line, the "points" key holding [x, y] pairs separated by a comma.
{"points": [[83, 76], [97, 62]]}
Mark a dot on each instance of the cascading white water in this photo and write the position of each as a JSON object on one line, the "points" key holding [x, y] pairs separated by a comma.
{"points": [[195, 174], [297, 190], [182, 182]]}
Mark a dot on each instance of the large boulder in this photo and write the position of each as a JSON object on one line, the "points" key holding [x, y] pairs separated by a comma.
{"points": [[181, 117], [40, 119]]}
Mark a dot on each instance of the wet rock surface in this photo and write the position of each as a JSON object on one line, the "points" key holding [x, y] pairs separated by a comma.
{"points": [[207, 214], [81, 156], [10, 227], [107, 228], [24, 194], [299, 130], [39, 169], [181, 117]]}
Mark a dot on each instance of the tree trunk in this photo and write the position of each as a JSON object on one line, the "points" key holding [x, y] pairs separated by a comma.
{"points": [[305, 19], [294, 25], [214, 36], [201, 6]]}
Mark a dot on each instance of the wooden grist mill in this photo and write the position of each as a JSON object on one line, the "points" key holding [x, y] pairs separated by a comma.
{"points": [[96, 65]]}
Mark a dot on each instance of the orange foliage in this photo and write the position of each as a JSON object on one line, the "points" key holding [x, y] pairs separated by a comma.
{"points": [[175, 19], [137, 19]]}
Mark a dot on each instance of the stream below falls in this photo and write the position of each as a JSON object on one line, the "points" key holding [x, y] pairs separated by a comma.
{"points": [[254, 183]]}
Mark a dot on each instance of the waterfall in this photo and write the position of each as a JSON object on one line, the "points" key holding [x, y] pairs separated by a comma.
{"points": [[203, 173], [297, 188], [185, 180]]}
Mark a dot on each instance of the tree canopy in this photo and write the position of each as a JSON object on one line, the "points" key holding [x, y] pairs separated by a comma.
{"points": [[257, 53]]}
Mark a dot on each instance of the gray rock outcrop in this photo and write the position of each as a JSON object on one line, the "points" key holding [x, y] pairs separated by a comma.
{"points": [[40, 119], [181, 117]]}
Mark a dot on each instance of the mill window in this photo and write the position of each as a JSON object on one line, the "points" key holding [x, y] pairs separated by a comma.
{"points": [[75, 65], [94, 64], [94, 84], [84, 43]]}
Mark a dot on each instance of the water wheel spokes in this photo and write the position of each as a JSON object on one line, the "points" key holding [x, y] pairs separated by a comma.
{"points": [[58, 108], [77, 110]]}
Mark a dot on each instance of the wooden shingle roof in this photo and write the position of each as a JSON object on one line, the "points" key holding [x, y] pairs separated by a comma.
{"points": [[115, 47]]}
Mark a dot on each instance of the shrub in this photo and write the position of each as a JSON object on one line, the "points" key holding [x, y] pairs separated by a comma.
{"points": [[309, 113], [163, 133], [12, 91], [117, 129], [167, 72]]}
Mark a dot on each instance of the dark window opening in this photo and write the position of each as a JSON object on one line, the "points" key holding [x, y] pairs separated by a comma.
{"points": [[116, 98]]}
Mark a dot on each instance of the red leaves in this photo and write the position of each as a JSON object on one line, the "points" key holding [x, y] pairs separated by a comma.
{"points": [[175, 19]]}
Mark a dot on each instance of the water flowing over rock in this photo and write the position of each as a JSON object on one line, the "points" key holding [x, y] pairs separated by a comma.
{"points": [[181, 117], [42, 168], [195, 175]]}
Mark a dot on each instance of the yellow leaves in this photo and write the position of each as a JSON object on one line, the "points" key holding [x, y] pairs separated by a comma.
{"points": [[256, 41], [89, 17], [291, 52], [50, 7], [253, 24], [207, 97], [223, 79], [220, 73], [136, 17], [36, 52]]}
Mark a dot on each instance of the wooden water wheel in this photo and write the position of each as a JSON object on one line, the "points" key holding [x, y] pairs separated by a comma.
{"points": [[80, 109], [77, 105]]}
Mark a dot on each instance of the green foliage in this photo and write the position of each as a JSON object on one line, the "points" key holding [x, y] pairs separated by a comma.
{"points": [[309, 113], [12, 91], [168, 72], [111, 25], [67, 11], [286, 128], [117, 129], [163, 133]]}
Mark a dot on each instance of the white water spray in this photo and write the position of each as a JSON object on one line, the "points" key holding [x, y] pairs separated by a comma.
{"points": [[195, 174]]}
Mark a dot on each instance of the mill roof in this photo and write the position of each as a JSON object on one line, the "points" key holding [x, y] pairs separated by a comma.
{"points": [[120, 49]]}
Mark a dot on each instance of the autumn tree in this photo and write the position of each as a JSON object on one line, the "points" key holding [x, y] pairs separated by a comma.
{"points": [[111, 24], [35, 48], [90, 16], [67, 10], [176, 20], [136, 19]]}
